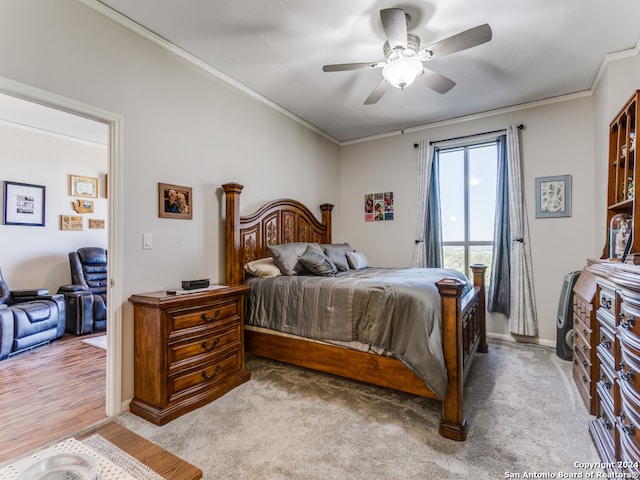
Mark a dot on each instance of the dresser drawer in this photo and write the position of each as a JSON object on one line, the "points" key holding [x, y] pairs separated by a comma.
{"points": [[607, 377], [629, 417], [607, 339], [203, 348], [202, 315], [605, 357], [203, 377], [581, 330], [629, 318], [582, 317], [582, 383], [605, 413], [630, 454], [629, 367], [607, 300], [581, 346]]}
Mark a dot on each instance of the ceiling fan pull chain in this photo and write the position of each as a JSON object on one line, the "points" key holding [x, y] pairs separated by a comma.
{"points": [[402, 112]]}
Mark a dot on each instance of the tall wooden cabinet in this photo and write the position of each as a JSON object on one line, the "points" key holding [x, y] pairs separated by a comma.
{"points": [[621, 197], [189, 350]]}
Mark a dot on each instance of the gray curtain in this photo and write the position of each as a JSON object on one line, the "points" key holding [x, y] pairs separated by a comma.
{"points": [[499, 291], [427, 251], [522, 307]]}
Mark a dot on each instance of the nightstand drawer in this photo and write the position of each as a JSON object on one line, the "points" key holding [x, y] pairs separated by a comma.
{"points": [[204, 347], [202, 316], [203, 377]]}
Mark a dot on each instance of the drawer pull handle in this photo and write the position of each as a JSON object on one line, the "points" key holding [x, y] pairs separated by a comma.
{"points": [[604, 340], [629, 323], [605, 302], [628, 375], [213, 375], [584, 332], [628, 429], [605, 421], [605, 381], [210, 319], [213, 345], [585, 363], [585, 379]]}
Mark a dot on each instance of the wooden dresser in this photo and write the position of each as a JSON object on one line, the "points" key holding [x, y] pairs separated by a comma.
{"points": [[188, 348], [616, 428], [585, 337]]}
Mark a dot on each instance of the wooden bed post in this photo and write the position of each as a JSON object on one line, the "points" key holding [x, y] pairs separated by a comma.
{"points": [[478, 270], [326, 209], [232, 232], [453, 425]]}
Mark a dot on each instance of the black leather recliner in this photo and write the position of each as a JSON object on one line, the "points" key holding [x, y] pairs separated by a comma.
{"points": [[28, 317], [86, 297]]}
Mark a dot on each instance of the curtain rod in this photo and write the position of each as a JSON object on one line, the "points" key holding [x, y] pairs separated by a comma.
{"points": [[520, 127]]}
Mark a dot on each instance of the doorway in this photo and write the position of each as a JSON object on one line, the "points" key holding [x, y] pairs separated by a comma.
{"points": [[113, 123]]}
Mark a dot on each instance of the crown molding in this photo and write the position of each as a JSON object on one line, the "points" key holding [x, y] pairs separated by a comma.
{"points": [[164, 43]]}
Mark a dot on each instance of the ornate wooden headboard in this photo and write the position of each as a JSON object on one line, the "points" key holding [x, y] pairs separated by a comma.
{"points": [[280, 221]]}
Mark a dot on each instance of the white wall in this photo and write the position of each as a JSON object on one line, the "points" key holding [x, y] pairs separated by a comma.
{"points": [[181, 126], [557, 141], [34, 256]]}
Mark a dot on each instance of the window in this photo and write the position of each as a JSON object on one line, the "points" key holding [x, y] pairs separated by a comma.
{"points": [[467, 177]]}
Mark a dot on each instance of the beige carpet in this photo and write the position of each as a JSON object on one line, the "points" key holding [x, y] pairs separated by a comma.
{"points": [[524, 411]]}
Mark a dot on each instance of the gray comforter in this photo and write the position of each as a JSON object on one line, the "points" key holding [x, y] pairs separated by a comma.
{"points": [[394, 309]]}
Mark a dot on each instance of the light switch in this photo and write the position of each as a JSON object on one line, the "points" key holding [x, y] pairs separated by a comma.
{"points": [[147, 241]]}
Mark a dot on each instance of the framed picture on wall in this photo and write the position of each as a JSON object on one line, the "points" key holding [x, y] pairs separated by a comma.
{"points": [[83, 186], [24, 204], [553, 196], [174, 201]]}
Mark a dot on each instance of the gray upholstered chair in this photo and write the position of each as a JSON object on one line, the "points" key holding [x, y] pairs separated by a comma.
{"points": [[86, 296]]}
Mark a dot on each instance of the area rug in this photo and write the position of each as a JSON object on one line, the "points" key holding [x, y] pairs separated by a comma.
{"points": [[524, 411], [100, 341], [113, 463]]}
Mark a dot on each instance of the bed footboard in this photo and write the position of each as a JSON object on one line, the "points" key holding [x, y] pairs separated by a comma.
{"points": [[463, 334]]}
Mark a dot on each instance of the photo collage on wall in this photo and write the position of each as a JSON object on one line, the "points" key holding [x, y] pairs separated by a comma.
{"points": [[378, 206]]}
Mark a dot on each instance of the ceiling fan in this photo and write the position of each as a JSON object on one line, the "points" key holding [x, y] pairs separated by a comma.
{"points": [[405, 61]]}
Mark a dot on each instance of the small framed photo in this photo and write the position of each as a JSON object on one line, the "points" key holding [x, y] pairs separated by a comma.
{"points": [[24, 204], [174, 201], [553, 196], [83, 186]]}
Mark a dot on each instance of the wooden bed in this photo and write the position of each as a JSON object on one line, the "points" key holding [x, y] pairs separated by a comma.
{"points": [[463, 317]]}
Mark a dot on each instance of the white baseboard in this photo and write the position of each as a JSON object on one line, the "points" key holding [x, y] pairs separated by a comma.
{"points": [[511, 338]]}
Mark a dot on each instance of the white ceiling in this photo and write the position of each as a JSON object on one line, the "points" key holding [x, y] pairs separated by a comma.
{"points": [[540, 49]]}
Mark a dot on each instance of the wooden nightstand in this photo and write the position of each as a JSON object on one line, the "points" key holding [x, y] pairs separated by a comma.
{"points": [[188, 348]]}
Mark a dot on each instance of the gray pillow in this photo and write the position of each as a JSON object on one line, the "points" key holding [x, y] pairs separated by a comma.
{"points": [[318, 263], [357, 260], [336, 252], [287, 256]]}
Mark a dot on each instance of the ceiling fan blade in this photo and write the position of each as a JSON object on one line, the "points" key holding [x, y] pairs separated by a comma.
{"points": [[436, 81], [461, 41], [341, 67], [394, 23], [377, 93]]}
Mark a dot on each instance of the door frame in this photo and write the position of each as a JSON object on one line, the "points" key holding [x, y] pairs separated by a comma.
{"points": [[114, 404]]}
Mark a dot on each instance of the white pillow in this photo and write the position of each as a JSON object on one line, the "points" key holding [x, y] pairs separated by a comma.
{"points": [[357, 260], [263, 268]]}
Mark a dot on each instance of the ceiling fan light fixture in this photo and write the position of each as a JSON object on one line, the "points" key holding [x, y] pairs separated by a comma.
{"points": [[403, 71]]}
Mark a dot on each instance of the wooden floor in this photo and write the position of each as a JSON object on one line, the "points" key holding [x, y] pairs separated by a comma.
{"points": [[50, 392]]}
